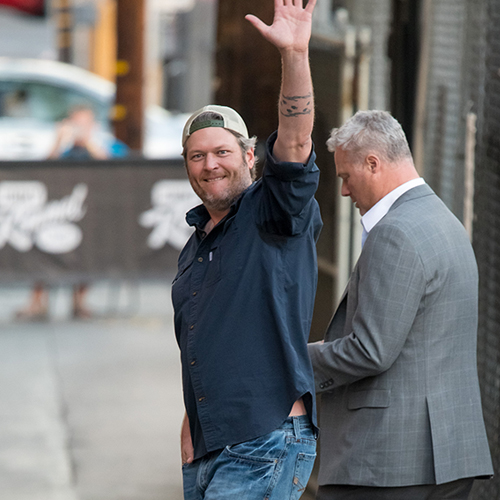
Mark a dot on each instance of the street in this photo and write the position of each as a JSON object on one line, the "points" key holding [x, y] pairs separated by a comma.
{"points": [[91, 410]]}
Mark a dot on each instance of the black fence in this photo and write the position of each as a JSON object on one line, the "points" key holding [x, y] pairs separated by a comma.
{"points": [[485, 96], [465, 80], [64, 221]]}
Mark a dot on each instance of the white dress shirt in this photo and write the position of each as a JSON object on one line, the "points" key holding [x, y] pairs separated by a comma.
{"points": [[378, 211]]}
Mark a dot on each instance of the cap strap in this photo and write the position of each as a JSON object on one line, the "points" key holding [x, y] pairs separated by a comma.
{"points": [[205, 124]]}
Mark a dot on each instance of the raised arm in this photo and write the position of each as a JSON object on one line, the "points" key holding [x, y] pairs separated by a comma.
{"points": [[290, 33]]}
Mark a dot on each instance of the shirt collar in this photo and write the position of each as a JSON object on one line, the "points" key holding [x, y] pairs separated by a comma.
{"points": [[198, 217], [380, 209]]}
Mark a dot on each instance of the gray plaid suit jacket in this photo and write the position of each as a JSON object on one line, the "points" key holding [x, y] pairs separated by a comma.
{"points": [[398, 372]]}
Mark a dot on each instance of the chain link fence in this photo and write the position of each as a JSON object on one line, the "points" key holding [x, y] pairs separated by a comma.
{"points": [[464, 79], [484, 95]]}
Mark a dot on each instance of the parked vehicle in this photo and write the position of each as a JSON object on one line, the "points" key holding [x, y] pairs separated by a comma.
{"points": [[36, 94]]}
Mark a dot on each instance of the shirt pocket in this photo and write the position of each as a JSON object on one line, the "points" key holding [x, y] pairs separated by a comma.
{"points": [[180, 286], [213, 274], [378, 398], [181, 272]]}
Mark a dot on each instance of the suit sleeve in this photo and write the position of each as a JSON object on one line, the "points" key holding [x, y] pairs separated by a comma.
{"points": [[383, 299]]}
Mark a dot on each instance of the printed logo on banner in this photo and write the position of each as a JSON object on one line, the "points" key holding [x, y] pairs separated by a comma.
{"points": [[28, 219], [171, 199]]}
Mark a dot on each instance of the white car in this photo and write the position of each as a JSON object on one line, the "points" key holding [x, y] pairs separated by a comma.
{"points": [[35, 94]]}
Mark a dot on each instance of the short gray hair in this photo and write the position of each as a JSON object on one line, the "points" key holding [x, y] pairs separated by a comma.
{"points": [[371, 131]]}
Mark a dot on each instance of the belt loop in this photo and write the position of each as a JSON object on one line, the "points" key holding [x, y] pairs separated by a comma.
{"points": [[296, 427]]}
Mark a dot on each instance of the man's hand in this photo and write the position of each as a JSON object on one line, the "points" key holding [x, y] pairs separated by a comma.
{"points": [[187, 450], [291, 28], [290, 33]]}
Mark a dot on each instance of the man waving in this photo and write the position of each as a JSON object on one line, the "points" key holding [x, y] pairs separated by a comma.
{"points": [[244, 292]]}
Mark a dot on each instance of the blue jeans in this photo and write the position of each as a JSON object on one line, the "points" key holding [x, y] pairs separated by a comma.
{"points": [[276, 466]]}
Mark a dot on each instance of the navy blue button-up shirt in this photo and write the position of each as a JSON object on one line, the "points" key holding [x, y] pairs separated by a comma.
{"points": [[243, 300]]}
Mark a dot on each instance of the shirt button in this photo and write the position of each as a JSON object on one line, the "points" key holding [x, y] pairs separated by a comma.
{"points": [[200, 259], [193, 363], [195, 293], [201, 399], [191, 327]]}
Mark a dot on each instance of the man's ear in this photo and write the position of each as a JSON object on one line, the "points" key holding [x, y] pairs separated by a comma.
{"points": [[250, 157], [373, 163]]}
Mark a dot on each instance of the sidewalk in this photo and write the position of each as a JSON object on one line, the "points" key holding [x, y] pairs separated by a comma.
{"points": [[91, 410]]}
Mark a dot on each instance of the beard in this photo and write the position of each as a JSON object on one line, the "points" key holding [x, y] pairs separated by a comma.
{"points": [[222, 202]]}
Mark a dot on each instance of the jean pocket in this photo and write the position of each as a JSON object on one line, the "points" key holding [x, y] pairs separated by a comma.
{"points": [[265, 449], [303, 468]]}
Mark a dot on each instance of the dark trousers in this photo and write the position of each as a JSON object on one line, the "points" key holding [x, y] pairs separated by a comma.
{"points": [[456, 490]]}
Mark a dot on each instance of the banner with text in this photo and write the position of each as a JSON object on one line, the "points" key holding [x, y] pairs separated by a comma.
{"points": [[64, 221]]}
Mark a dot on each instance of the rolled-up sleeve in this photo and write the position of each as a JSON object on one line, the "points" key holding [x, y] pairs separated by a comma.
{"points": [[288, 189]]}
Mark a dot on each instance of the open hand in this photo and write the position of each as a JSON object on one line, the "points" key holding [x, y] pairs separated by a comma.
{"points": [[291, 28]]}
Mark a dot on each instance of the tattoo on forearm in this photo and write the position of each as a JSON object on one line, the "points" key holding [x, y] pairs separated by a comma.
{"points": [[291, 106]]}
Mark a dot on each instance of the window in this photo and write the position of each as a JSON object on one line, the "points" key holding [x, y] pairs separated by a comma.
{"points": [[45, 102]]}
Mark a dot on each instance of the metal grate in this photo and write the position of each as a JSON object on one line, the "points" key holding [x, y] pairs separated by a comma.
{"points": [[377, 15], [445, 109], [464, 77], [487, 225]]}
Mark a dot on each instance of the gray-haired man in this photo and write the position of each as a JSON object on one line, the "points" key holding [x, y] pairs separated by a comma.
{"points": [[401, 410]]}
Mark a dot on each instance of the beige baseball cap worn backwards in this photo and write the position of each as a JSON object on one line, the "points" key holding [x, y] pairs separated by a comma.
{"points": [[230, 120]]}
